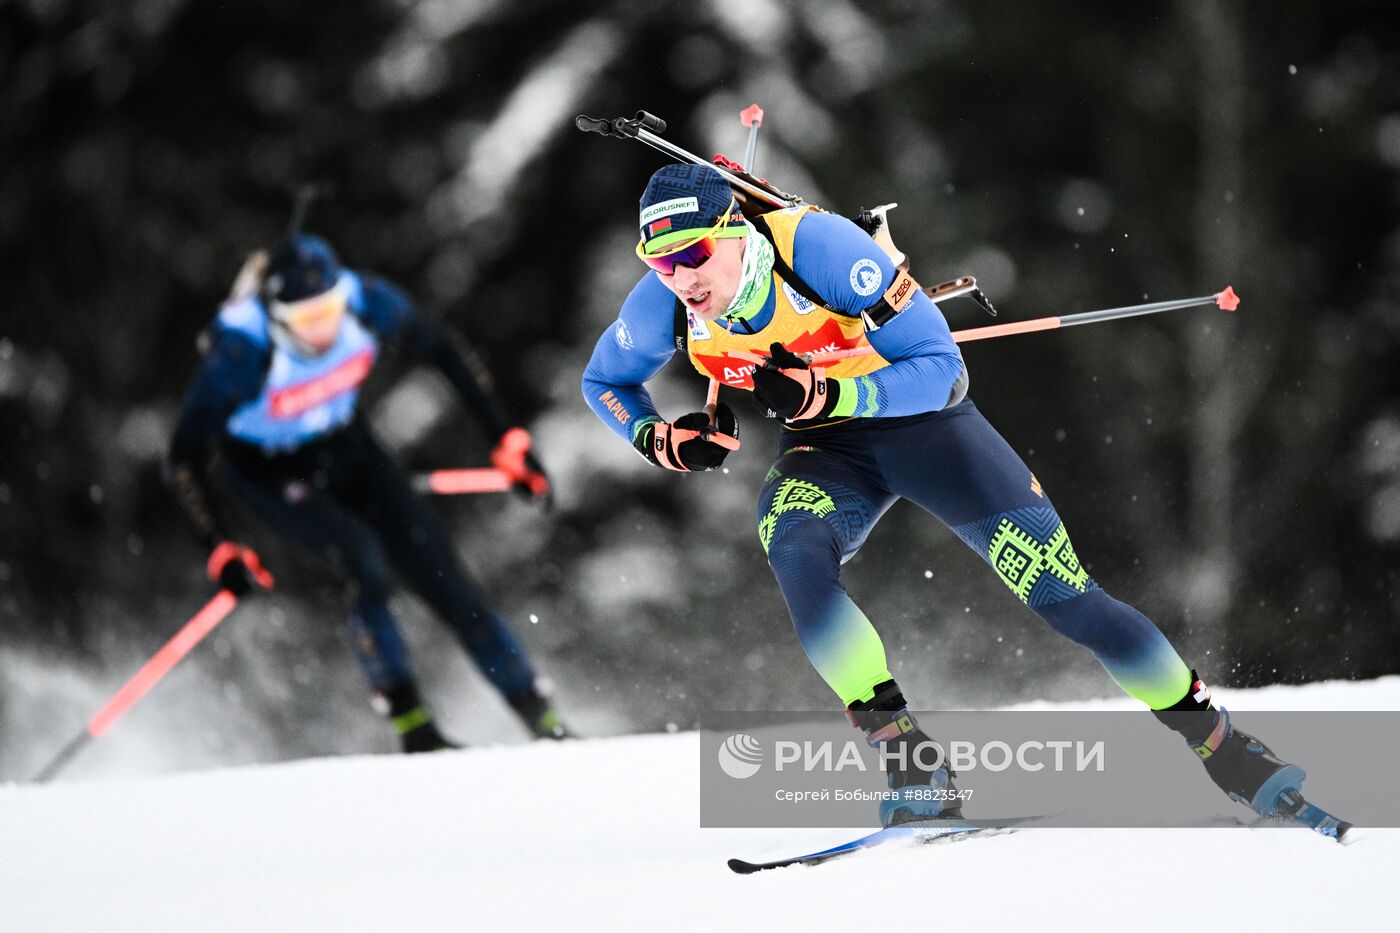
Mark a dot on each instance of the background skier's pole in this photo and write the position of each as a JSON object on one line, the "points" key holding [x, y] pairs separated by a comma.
{"points": [[462, 482], [189, 635]]}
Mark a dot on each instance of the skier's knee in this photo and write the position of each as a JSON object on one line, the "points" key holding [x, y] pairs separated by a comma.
{"points": [[793, 515], [800, 543]]}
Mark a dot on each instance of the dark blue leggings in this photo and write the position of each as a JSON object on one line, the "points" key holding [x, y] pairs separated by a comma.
{"points": [[832, 483], [344, 503]]}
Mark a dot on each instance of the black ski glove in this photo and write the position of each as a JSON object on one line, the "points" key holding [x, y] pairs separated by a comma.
{"points": [[238, 569], [688, 443], [514, 456], [786, 386]]}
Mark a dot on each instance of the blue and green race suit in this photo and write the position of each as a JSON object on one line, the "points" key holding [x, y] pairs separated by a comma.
{"points": [[903, 429]]}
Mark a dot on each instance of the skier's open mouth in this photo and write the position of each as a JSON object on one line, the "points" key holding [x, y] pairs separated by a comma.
{"points": [[695, 302]]}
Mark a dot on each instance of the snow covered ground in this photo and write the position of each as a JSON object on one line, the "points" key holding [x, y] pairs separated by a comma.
{"points": [[602, 835]]}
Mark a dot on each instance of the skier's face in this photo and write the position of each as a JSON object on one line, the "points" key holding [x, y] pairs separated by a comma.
{"points": [[709, 288], [314, 322]]}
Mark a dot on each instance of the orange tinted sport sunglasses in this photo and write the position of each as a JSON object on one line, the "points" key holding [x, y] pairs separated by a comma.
{"points": [[315, 310], [692, 254]]}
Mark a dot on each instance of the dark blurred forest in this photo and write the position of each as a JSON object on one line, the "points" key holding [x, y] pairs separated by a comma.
{"points": [[1237, 477]]}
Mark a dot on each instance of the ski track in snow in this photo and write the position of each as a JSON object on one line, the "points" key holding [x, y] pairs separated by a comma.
{"points": [[603, 834]]}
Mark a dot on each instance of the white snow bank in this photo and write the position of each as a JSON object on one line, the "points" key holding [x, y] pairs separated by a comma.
{"points": [[602, 835]]}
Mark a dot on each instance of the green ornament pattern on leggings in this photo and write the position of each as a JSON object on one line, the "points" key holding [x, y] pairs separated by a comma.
{"points": [[793, 495], [1021, 560]]}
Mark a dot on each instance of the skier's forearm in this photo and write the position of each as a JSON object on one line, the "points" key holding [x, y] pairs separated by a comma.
{"points": [[228, 377], [468, 376], [623, 408], [392, 315], [186, 476], [624, 360], [909, 387]]}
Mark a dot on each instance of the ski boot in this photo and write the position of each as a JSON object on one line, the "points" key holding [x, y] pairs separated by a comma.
{"points": [[1242, 766], [536, 710], [411, 720], [919, 794]]}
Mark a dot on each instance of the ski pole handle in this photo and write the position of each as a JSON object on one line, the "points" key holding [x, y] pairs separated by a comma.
{"points": [[713, 434], [512, 457]]}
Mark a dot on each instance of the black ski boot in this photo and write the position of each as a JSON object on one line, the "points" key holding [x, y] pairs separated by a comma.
{"points": [[536, 710], [1238, 763], [411, 720], [885, 720]]}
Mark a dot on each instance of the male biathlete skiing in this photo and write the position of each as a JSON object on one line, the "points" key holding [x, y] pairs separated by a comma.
{"points": [[271, 420], [863, 432]]}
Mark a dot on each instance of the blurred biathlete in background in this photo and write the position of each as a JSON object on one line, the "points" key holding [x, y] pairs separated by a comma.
{"points": [[271, 421], [740, 299]]}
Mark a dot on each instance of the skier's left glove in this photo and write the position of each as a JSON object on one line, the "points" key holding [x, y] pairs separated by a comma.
{"points": [[237, 569], [512, 455], [786, 386]]}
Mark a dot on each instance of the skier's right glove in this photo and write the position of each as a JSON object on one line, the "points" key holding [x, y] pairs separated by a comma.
{"points": [[786, 386], [237, 569], [513, 455], [689, 443]]}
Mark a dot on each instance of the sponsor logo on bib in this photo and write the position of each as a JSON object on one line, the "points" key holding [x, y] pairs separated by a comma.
{"points": [[799, 304], [296, 400], [699, 330]]}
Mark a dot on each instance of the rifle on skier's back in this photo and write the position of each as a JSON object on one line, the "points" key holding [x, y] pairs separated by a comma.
{"points": [[757, 196]]}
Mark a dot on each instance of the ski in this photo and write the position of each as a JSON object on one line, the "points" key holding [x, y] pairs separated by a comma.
{"points": [[926, 831], [1293, 808]]}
